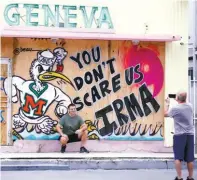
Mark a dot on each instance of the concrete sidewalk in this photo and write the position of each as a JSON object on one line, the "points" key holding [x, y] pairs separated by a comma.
{"points": [[76, 155], [73, 161], [45, 155]]}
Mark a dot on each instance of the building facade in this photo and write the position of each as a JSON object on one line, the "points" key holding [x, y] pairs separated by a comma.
{"points": [[116, 63]]}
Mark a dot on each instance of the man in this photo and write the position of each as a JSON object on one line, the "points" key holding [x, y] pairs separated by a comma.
{"points": [[183, 141], [72, 129]]}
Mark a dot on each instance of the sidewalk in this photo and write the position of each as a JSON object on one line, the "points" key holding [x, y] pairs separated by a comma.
{"points": [[76, 155], [89, 156], [75, 161], [45, 155]]}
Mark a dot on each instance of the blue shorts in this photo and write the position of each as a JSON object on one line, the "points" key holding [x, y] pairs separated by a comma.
{"points": [[184, 147]]}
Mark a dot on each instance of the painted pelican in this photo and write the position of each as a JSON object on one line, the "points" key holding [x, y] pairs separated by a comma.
{"points": [[36, 95]]}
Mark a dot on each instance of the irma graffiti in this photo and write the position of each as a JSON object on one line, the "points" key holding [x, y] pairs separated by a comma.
{"points": [[132, 75]]}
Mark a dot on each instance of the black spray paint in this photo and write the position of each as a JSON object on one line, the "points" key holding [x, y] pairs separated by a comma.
{"points": [[101, 89], [133, 107]]}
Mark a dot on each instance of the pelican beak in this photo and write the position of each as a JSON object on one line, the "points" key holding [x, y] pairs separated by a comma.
{"points": [[49, 76]]}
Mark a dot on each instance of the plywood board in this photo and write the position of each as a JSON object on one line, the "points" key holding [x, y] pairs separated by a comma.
{"points": [[109, 72], [3, 106]]}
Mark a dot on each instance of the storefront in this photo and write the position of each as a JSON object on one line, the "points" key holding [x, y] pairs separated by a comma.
{"points": [[117, 69]]}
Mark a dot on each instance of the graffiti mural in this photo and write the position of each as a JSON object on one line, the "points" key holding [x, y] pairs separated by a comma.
{"points": [[2, 111], [2, 79], [2, 116], [118, 88], [36, 95], [149, 61]]}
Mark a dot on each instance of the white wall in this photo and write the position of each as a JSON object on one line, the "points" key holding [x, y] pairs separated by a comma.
{"points": [[128, 16], [177, 58]]}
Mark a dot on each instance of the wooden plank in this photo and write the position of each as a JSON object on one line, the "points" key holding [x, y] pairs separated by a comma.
{"points": [[7, 47], [3, 126], [80, 64], [3, 107]]}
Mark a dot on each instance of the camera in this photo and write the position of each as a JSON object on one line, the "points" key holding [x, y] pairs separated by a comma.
{"points": [[172, 96]]}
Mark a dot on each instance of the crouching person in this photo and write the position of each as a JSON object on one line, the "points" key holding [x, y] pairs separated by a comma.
{"points": [[72, 128]]}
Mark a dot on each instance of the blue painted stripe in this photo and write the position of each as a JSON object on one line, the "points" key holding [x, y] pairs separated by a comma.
{"points": [[112, 138], [32, 137]]}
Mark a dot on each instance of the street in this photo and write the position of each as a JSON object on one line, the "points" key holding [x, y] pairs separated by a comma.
{"points": [[92, 175]]}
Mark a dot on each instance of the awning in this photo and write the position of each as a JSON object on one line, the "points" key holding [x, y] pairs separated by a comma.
{"points": [[52, 32]]}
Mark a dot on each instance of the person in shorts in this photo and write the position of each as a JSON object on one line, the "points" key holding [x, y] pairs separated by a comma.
{"points": [[183, 140], [72, 128]]}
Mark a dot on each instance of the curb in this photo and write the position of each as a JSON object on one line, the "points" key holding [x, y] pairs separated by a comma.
{"points": [[84, 164], [33, 168]]}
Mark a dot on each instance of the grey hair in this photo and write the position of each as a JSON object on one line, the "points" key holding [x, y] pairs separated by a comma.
{"points": [[181, 96]]}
